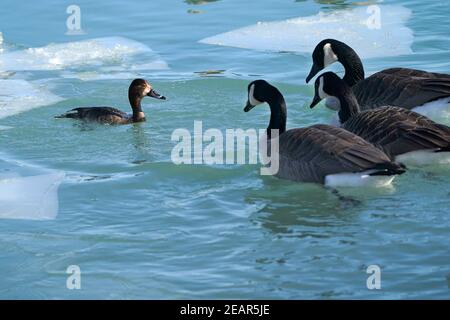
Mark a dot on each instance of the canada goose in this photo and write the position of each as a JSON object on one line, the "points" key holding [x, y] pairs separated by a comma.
{"points": [[401, 87], [139, 88], [321, 153], [404, 135]]}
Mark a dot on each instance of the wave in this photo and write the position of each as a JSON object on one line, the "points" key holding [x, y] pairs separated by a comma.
{"points": [[302, 34]]}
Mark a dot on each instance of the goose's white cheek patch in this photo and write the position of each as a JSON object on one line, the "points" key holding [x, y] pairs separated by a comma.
{"points": [[251, 97], [322, 94], [329, 56]]}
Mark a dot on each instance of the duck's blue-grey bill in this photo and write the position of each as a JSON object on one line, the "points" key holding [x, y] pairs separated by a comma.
{"points": [[155, 95]]}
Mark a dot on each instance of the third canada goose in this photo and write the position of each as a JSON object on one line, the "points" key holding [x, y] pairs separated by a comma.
{"points": [[139, 88], [321, 153], [404, 135], [401, 87]]}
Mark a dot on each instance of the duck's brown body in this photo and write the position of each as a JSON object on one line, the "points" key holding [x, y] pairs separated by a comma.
{"points": [[138, 89], [103, 115]]}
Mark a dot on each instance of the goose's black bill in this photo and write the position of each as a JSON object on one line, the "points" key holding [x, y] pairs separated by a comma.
{"points": [[315, 101], [314, 70], [248, 107], [155, 95]]}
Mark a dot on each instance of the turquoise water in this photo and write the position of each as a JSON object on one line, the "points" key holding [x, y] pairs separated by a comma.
{"points": [[139, 226]]}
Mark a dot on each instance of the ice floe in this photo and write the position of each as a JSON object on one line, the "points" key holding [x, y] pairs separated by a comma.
{"points": [[390, 38], [17, 95], [438, 110], [93, 52], [32, 197]]}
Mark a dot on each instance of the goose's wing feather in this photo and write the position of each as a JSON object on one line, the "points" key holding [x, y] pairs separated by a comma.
{"points": [[99, 114], [310, 154], [397, 130], [406, 88], [407, 72]]}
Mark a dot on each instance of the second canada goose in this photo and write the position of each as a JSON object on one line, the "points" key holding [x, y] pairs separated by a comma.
{"points": [[401, 87], [139, 88], [403, 134], [321, 153]]}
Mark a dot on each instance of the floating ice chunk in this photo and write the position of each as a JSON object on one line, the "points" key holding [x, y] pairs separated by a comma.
{"points": [[32, 198], [17, 96], [438, 110], [351, 26], [112, 50], [1, 42]]}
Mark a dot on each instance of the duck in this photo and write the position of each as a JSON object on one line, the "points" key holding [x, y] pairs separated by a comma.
{"points": [[421, 91], [404, 135], [139, 88], [321, 153]]}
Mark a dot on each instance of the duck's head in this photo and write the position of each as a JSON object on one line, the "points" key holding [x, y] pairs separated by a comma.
{"points": [[325, 53], [260, 91], [139, 88], [329, 86]]}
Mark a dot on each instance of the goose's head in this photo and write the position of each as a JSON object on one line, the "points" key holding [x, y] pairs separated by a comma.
{"points": [[259, 91], [325, 53], [329, 86], [139, 88]]}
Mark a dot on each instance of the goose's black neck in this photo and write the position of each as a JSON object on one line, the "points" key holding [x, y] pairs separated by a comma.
{"points": [[349, 104], [278, 113], [135, 102], [354, 69]]}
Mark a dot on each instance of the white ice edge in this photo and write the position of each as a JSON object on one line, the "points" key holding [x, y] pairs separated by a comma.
{"points": [[303, 33], [94, 52]]}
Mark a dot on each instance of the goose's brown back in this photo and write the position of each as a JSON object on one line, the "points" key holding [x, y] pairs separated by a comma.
{"points": [[310, 154], [397, 130], [401, 87]]}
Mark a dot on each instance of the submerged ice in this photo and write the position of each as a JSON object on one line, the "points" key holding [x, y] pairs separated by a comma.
{"points": [[390, 38], [17, 96], [32, 197]]}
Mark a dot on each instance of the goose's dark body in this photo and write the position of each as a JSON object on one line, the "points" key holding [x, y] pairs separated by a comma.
{"points": [[401, 87], [139, 88], [398, 131], [395, 130], [406, 88], [311, 154]]}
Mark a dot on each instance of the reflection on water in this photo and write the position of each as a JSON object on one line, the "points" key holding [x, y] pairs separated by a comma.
{"points": [[309, 210], [299, 210], [342, 4], [210, 73], [196, 2], [141, 144]]}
